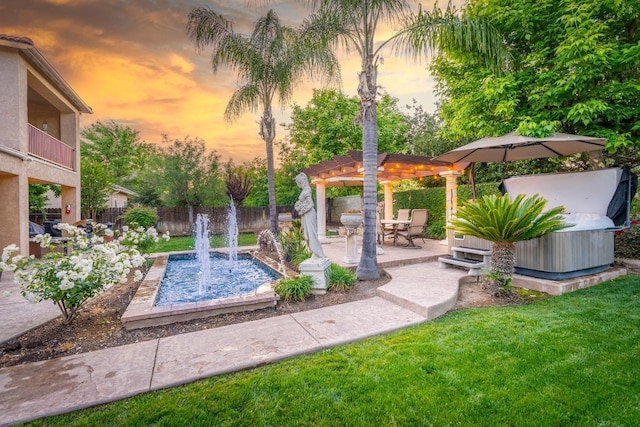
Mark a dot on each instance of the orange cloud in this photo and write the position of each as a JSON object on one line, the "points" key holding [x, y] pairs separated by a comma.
{"points": [[132, 62]]}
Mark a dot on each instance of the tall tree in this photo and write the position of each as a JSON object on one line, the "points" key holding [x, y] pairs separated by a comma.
{"points": [[355, 24], [328, 126], [269, 63], [190, 174], [96, 183], [116, 146], [575, 65], [422, 132], [237, 181], [256, 169]]}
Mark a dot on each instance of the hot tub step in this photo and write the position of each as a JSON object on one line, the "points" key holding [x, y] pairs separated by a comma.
{"points": [[473, 265], [469, 250]]}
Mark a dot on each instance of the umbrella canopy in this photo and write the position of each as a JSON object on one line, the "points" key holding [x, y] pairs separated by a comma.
{"points": [[517, 147]]}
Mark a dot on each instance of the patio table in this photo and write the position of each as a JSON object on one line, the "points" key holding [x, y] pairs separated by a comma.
{"points": [[395, 223]]}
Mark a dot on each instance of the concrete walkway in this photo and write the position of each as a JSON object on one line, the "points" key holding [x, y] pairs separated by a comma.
{"points": [[415, 294], [19, 316]]}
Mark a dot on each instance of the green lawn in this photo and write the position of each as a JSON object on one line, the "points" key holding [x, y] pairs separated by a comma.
{"points": [[188, 243], [569, 360]]}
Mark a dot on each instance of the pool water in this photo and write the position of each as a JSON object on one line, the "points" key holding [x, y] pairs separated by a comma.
{"points": [[180, 282]]}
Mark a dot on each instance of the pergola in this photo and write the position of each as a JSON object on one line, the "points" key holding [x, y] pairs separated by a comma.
{"points": [[347, 170]]}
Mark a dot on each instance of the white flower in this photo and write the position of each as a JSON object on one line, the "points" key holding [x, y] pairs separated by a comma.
{"points": [[108, 232], [31, 297], [6, 252], [137, 276], [66, 284]]}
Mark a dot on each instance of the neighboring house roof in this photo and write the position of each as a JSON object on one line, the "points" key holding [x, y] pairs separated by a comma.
{"points": [[29, 51], [119, 189]]}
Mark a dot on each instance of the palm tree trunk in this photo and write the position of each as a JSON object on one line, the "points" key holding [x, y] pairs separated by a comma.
{"points": [[503, 257], [268, 134], [367, 89]]}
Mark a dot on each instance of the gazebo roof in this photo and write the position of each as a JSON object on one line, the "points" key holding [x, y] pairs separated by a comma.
{"points": [[347, 170]]}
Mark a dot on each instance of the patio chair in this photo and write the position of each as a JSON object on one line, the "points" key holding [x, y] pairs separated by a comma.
{"points": [[415, 228], [403, 214], [383, 231]]}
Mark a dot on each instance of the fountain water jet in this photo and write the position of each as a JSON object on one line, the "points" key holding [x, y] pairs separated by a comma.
{"points": [[232, 235], [202, 252]]}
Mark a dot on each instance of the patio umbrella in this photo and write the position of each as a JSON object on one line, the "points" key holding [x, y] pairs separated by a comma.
{"points": [[511, 147], [517, 147]]}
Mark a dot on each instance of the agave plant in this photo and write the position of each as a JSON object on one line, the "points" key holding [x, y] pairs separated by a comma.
{"points": [[504, 222]]}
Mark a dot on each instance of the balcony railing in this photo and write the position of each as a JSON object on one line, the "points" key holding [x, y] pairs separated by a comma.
{"points": [[50, 149]]}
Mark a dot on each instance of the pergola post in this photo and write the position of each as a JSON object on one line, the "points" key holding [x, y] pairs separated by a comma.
{"points": [[322, 209], [451, 197], [388, 200]]}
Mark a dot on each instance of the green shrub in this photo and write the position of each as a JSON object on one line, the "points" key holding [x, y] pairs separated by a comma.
{"points": [[294, 247], [341, 279], [436, 230], [434, 200], [140, 216], [294, 288], [627, 242]]}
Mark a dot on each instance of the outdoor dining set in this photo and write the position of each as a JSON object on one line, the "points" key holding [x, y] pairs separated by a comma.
{"points": [[408, 224]]}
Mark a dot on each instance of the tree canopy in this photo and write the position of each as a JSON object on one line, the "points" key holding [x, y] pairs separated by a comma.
{"points": [[190, 176], [116, 146], [328, 125], [574, 67]]}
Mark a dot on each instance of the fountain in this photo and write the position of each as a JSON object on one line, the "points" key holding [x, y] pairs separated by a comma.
{"points": [[232, 235], [185, 286], [202, 252]]}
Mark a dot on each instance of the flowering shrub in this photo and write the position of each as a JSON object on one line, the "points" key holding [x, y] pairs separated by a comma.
{"points": [[92, 265]]}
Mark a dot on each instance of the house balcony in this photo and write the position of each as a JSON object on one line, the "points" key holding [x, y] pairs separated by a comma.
{"points": [[48, 148]]}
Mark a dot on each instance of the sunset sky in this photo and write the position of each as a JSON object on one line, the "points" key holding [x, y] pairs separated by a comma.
{"points": [[131, 62]]}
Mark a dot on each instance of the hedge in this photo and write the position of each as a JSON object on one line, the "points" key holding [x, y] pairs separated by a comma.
{"points": [[433, 199]]}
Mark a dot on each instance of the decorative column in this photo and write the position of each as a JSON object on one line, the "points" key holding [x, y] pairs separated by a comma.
{"points": [[351, 222], [388, 200], [322, 209], [451, 197]]}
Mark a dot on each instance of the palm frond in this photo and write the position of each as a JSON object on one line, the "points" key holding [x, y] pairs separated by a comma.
{"points": [[245, 98], [426, 32], [500, 219], [206, 27]]}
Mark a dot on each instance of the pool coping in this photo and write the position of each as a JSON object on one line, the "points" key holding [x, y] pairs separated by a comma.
{"points": [[141, 312]]}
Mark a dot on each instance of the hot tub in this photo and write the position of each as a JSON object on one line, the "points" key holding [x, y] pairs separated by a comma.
{"points": [[585, 248]]}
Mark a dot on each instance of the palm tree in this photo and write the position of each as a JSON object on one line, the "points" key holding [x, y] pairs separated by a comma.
{"points": [[269, 62], [354, 23], [504, 222]]}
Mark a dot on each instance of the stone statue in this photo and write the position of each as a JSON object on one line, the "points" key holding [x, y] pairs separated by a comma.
{"points": [[304, 206]]}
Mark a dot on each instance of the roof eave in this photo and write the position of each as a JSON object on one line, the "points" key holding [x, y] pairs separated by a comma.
{"points": [[33, 55]]}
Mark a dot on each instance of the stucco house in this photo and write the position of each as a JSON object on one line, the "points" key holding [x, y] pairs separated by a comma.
{"points": [[39, 137], [118, 199]]}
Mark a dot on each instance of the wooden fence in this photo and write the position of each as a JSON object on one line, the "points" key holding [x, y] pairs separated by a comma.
{"points": [[176, 220], [250, 219]]}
